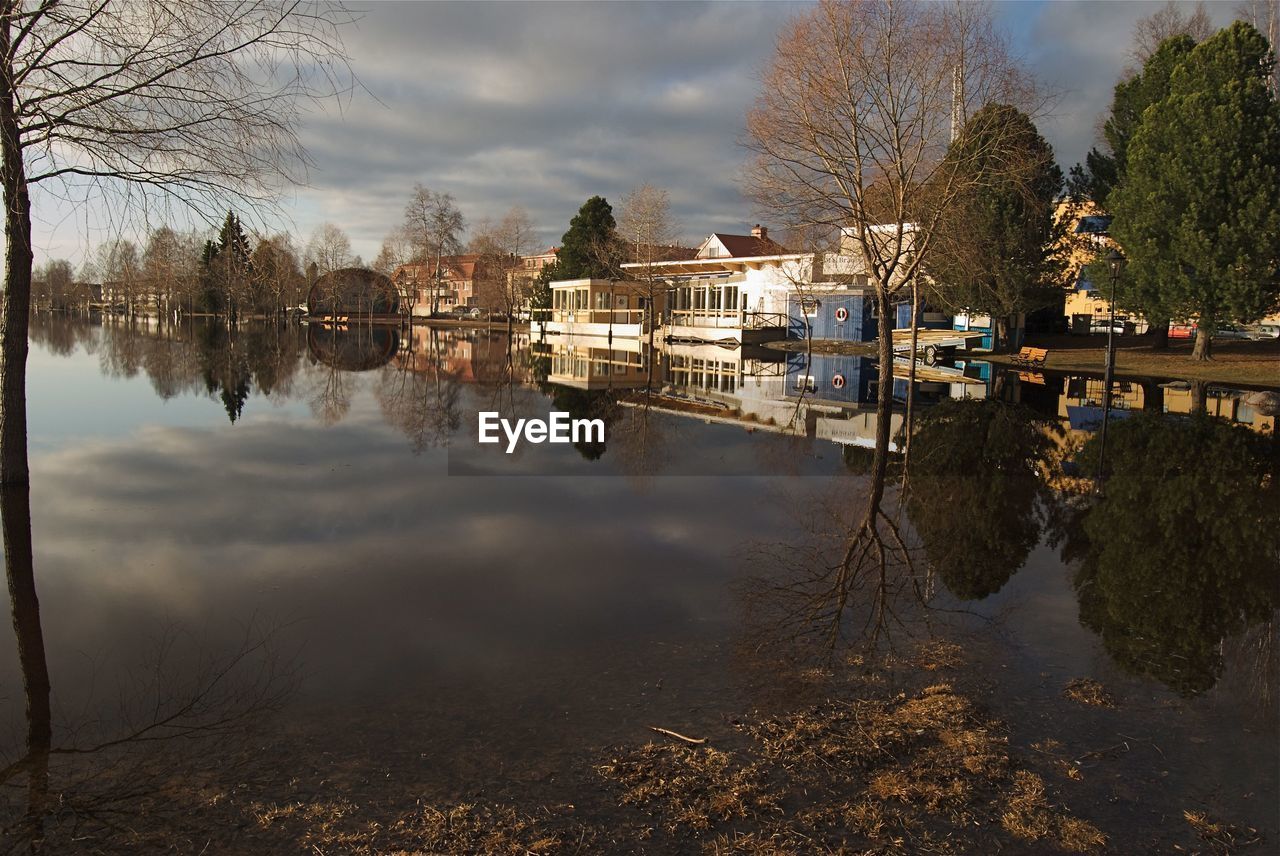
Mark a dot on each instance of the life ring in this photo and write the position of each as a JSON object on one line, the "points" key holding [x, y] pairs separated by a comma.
{"points": [[838, 381], [842, 314]]}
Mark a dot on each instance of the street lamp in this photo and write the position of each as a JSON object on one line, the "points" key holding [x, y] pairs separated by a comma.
{"points": [[1115, 264]]}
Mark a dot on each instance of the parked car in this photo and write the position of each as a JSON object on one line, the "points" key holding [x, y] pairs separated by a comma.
{"points": [[1182, 331], [1101, 327], [1231, 331], [1263, 331]]}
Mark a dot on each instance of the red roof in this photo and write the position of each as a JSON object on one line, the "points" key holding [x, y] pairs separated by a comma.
{"points": [[749, 245]]}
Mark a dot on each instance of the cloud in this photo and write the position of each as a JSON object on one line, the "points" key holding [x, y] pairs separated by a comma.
{"points": [[543, 105]]}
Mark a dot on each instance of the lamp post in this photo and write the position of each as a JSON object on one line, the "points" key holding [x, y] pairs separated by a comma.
{"points": [[1115, 264]]}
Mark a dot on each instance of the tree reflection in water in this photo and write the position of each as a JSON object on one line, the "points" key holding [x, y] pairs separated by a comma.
{"points": [[849, 573], [1182, 552], [979, 493]]}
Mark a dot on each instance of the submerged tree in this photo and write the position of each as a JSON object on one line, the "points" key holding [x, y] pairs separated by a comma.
{"points": [[978, 491], [1183, 549], [1198, 209], [995, 253], [152, 100], [433, 225], [852, 130]]}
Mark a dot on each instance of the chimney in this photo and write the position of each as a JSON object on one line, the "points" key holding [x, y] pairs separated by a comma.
{"points": [[760, 232]]}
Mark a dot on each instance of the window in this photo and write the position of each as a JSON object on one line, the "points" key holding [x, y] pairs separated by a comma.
{"points": [[731, 297]]}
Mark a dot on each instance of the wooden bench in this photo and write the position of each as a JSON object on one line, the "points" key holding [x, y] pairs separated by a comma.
{"points": [[1031, 356]]}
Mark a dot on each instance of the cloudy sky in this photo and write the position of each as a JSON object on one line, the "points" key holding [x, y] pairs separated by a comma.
{"points": [[545, 104]]}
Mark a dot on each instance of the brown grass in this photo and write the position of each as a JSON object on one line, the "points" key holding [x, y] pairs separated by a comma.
{"points": [[1088, 691], [690, 788], [1219, 836], [912, 773], [341, 827]]}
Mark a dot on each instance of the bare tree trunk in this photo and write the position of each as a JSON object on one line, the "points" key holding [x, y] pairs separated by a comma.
{"points": [[1158, 329], [884, 408], [17, 286], [911, 384], [1203, 349], [1199, 397]]}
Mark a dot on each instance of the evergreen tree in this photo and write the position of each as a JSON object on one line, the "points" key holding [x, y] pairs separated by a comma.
{"points": [[232, 266], [210, 288], [995, 254], [1198, 207], [1104, 170], [590, 247]]}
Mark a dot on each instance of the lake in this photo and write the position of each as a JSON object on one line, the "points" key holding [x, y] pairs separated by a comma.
{"points": [[287, 600]]}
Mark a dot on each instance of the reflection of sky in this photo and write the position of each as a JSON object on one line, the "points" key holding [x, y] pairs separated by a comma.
{"points": [[150, 514]]}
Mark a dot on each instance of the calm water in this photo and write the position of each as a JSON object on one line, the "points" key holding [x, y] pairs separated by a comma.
{"points": [[288, 540]]}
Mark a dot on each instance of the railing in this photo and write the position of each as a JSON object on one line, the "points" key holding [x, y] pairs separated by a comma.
{"points": [[727, 318], [590, 316], [760, 320], [706, 318]]}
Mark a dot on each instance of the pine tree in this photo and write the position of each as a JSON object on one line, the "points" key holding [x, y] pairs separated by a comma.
{"points": [[1198, 209], [590, 247]]}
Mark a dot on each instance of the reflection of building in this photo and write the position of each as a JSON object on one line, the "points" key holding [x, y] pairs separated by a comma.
{"points": [[595, 364], [1234, 405], [467, 356], [358, 348], [827, 396]]}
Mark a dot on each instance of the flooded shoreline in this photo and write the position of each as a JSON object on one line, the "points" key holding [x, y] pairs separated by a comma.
{"points": [[396, 639]]}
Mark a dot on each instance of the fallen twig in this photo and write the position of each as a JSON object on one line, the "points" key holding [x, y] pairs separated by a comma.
{"points": [[677, 735]]}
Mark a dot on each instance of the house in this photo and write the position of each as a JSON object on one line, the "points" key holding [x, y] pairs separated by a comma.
{"points": [[424, 286], [734, 288], [601, 307], [840, 303], [1086, 307]]}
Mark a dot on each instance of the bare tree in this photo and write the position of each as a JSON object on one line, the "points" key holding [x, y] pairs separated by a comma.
{"points": [[277, 274], [1169, 20], [649, 230], [167, 267], [502, 245], [329, 249], [156, 101], [434, 225], [1264, 15], [852, 131], [397, 249]]}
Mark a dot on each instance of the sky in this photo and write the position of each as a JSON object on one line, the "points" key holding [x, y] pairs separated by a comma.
{"points": [[543, 105]]}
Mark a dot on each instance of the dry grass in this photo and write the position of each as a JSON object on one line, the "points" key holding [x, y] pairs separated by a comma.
{"points": [[922, 772], [1088, 691], [1029, 816], [690, 788], [1219, 836], [341, 827]]}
